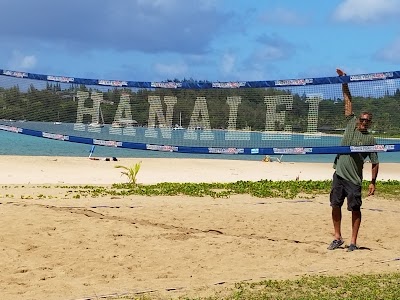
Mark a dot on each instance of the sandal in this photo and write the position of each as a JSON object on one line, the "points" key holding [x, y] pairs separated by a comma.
{"points": [[352, 247], [335, 244]]}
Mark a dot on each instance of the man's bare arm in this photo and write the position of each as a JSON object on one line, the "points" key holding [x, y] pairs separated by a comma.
{"points": [[374, 172], [374, 175], [348, 107]]}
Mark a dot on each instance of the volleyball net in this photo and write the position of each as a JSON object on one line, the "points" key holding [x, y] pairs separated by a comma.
{"points": [[293, 116]]}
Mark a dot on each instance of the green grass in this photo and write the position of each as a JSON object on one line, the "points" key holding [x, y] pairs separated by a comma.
{"points": [[355, 287], [322, 287], [261, 189]]}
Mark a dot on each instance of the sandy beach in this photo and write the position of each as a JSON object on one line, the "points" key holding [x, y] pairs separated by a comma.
{"points": [[81, 170], [54, 246]]}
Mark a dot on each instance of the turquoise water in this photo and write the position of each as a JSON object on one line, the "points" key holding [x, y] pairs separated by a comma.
{"points": [[19, 144]]}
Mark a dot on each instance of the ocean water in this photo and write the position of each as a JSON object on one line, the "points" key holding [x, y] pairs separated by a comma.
{"points": [[25, 145]]}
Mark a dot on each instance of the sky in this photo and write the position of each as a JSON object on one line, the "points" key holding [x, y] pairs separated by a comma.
{"points": [[215, 40]]}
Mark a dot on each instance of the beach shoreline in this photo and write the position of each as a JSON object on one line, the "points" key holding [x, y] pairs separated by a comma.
{"points": [[82, 170]]}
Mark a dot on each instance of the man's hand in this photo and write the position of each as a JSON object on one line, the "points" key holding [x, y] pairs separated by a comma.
{"points": [[371, 189], [340, 72]]}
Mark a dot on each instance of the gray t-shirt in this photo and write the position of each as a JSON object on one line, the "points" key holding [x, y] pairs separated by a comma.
{"points": [[350, 166]]}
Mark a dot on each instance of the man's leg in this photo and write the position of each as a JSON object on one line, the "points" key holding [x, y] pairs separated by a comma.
{"points": [[354, 205], [337, 220], [337, 196], [356, 222]]}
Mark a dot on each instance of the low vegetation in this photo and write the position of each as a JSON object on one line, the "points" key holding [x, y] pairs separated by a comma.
{"points": [[355, 287], [131, 173], [261, 189]]}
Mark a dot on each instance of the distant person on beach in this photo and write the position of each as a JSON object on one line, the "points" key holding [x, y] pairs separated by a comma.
{"points": [[105, 158], [348, 175]]}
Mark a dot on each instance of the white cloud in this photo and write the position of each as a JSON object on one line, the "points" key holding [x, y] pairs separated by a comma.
{"points": [[228, 63], [273, 47], [269, 52], [176, 4], [390, 53], [171, 71], [20, 61], [252, 75], [147, 26], [256, 70], [283, 16], [363, 11], [208, 4]]}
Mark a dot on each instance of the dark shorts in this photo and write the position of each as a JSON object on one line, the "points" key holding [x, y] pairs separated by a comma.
{"points": [[341, 189]]}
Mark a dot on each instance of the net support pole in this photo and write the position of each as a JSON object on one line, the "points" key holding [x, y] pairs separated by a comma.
{"points": [[91, 151]]}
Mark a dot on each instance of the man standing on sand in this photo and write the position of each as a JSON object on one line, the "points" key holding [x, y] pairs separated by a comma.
{"points": [[348, 176]]}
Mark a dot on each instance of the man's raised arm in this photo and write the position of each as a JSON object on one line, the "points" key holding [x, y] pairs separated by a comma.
{"points": [[348, 107]]}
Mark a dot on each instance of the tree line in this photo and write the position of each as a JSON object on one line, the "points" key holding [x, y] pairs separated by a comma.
{"points": [[53, 103]]}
